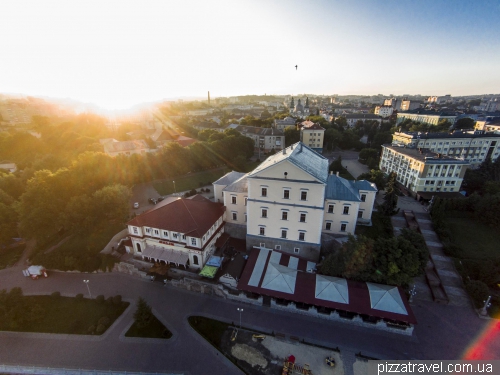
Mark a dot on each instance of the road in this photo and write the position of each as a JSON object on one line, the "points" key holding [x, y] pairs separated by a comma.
{"points": [[443, 332]]}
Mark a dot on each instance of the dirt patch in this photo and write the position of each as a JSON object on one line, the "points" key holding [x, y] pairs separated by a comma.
{"points": [[248, 354]]}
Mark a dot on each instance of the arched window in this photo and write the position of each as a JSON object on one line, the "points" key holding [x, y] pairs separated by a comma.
{"points": [[138, 247], [195, 260]]}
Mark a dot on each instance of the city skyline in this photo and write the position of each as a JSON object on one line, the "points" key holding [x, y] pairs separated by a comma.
{"points": [[120, 54]]}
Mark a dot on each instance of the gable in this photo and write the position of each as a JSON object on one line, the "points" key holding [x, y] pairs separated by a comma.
{"points": [[278, 171]]}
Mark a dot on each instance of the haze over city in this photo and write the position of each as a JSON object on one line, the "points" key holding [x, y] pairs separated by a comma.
{"points": [[117, 54]]}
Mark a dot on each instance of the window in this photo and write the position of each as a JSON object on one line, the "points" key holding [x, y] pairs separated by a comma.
{"points": [[302, 218], [165, 233], [328, 226], [264, 212], [346, 210], [246, 201], [148, 230], [283, 234], [262, 244], [195, 260], [184, 237], [157, 232], [286, 194], [245, 218], [296, 250], [193, 241], [277, 247], [343, 227], [135, 230], [302, 236], [233, 200], [363, 197], [360, 214], [235, 216], [303, 195], [264, 192], [174, 235], [330, 208], [284, 215], [262, 231]]}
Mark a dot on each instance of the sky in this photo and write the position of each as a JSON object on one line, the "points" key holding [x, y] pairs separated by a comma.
{"points": [[120, 53]]}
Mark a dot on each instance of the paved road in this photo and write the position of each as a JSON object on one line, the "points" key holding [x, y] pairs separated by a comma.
{"points": [[443, 332]]}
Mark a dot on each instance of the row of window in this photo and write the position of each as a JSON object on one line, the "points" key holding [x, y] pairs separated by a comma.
{"points": [[286, 194], [284, 233]]}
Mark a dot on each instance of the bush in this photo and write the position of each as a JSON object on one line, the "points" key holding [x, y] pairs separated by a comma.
{"points": [[79, 296], [104, 321], [99, 298], [117, 299], [478, 291], [56, 295], [75, 326], [91, 329], [100, 329], [453, 250], [109, 301]]}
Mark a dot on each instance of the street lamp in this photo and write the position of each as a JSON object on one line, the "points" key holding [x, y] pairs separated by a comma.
{"points": [[487, 304], [413, 291], [240, 310], [88, 288], [175, 190]]}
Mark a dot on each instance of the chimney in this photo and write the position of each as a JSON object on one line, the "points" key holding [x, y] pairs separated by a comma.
{"points": [[331, 173], [337, 173], [291, 147], [284, 151]]}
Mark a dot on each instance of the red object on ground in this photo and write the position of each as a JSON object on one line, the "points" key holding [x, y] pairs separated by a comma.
{"points": [[291, 359]]}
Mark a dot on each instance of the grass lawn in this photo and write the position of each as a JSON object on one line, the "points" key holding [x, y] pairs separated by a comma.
{"points": [[345, 174], [212, 330], [81, 251], [63, 315], [476, 239], [155, 330], [188, 182], [381, 227], [9, 257]]}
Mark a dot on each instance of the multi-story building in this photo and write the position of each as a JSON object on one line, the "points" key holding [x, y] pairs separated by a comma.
{"points": [[265, 139], [289, 200], [312, 135], [287, 122], [409, 105], [423, 171], [490, 124], [353, 118], [426, 116], [177, 230], [473, 146], [384, 110]]}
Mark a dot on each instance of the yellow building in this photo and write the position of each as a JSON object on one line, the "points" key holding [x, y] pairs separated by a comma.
{"points": [[312, 135]]}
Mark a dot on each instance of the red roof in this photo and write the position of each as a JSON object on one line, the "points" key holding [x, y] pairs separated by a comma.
{"points": [[185, 141], [193, 217], [313, 126], [305, 286]]}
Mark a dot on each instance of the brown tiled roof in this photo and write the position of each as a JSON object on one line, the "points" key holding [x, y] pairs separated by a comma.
{"points": [[313, 126], [188, 216]]}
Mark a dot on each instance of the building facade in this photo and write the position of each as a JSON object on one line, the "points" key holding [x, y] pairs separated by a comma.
{"points": [[472, 146], [265, 139], [177, 230], [353, 118], [312, 135], [423, 171], [287, 122], [426, 117], [384, 110]]}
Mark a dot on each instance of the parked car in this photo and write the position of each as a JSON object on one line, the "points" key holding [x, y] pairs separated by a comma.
{"points": [[136, 205], [152, 200], [160, 199]]}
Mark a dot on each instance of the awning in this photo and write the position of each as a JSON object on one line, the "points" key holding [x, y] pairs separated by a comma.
{"points": [[209, 271], [167, 255], [214, 261]]}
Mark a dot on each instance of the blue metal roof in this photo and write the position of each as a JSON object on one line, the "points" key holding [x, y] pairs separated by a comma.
{"points": [[363, 185], [339, 188], [303, 157]]}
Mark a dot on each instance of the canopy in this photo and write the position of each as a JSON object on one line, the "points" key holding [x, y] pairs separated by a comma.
{"points": [[209, 271], [214, 261], [167, 255]]}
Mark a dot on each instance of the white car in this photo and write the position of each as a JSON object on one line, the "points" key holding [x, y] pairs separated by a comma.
{"points": [[136, 205]]}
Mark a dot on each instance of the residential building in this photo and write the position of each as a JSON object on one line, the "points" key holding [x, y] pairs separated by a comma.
{"points": [[473, 146], [409, 105], [285, 123], [490, 124], [426, 116], [423, 172], [178, 230], [353, 118], [112, 147], [289, 201], [11, 167], [312, 135], [384, 111], [265, 139]]}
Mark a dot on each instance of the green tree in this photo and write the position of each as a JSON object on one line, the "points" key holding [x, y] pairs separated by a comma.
{"points": [[367, 153], [465, 123], [143, 316], [391, 197], [376, 176], [292, 136]]}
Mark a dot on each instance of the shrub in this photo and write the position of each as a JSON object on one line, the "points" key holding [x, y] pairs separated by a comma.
{"points": [[117, 299], [99, 298], [193, 192], [478, 291], [75, 326], [100, 329], [56, 295], [79, 296], [109, 301], [104, 321], [453, 250], [91, 329]]}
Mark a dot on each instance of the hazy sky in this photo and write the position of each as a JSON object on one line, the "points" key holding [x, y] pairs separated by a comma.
{"points": [[120, 53]]}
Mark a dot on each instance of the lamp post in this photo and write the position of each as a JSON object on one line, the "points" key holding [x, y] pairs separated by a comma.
{"points": [[413, 291], [240, 310], [487, 304], [88, 288], [175, 190]]}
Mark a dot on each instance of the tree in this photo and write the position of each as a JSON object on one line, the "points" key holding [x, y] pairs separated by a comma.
{"points": [[465, 123], [292, 136], [391, 197], [376, 176], [367, 153], [143, 316]]}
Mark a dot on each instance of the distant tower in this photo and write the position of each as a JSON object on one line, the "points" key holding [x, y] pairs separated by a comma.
{"points": [[292, 105], [209, 98]]}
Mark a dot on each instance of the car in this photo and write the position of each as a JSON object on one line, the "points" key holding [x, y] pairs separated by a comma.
{"points": [[136, 205], [160, 199]]}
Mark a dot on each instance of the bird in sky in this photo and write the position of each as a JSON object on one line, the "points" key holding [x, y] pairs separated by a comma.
{"points": [[296, 67]]}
